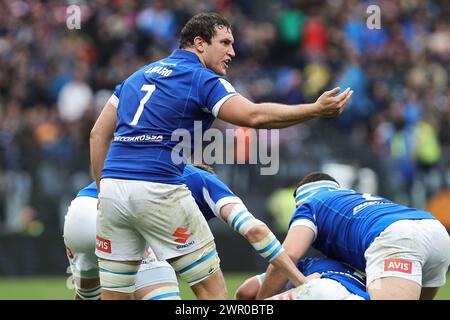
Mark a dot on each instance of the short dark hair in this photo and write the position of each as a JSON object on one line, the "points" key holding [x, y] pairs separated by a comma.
{"points": [[313, 177], [204, 167], [202, 25]]}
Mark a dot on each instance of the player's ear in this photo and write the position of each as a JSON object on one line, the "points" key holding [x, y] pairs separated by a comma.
{"points": [[199, 44]]}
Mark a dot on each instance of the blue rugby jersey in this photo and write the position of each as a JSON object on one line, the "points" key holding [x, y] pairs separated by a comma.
{"points": [[352, 280], [89, 191], [346, 222], [154, 102], [209, 192]]}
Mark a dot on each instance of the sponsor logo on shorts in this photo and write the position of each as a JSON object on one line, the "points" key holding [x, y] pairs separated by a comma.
{"points": [[103, 245], [181, 235], [398, 265], [190, 243]]}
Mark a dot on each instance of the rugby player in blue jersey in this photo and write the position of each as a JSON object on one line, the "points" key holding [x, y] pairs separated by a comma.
{"points": [[156, 280], [329, 280], [403, 251], [143, 198]]}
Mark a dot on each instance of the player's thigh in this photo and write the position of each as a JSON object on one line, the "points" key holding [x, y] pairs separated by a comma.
{"points": [[117, 237], [171, 221], [211, 288], [156, 280], [436, 244], [201, 270], [394, 288], [396, 253]]}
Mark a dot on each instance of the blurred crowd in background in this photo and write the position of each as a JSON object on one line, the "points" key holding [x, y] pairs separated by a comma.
{"points": [[395, 132]]}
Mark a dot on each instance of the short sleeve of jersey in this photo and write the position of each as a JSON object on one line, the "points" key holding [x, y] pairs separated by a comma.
{"points": [[304, 216], [217, 194], [214, 91], [114, 99]]}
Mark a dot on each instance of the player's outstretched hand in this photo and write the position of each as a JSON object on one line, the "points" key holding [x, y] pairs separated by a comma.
{"points": [[330, 105]]}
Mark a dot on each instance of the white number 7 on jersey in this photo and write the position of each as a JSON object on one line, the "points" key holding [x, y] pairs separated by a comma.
{"points": [[149, 88]]}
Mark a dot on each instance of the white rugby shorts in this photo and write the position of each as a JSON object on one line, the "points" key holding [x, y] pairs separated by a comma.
{"points": [[321, 289], [133, 213], [79, 237], [417, 250]]}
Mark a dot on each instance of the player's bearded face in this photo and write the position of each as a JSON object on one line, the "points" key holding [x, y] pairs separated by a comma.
{"points": [[220, 52]]}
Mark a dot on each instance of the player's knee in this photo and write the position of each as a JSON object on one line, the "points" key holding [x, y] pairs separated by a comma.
{"points": [[198, 265], [117, 276], [244, 292]]}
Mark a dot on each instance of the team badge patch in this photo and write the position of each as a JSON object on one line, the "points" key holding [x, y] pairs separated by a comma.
{"points": [[398, 265], [103, 245]]}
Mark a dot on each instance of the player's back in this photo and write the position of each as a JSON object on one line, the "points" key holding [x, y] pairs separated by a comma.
{"points": [[209, 192], [153, 103], [351, 279], [348, 222], [89, 191]]}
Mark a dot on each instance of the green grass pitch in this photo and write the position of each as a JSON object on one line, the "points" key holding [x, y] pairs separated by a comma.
{"points": [[55, 288]]}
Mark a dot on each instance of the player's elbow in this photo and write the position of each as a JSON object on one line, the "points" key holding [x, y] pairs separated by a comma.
{"points": [[94, 136]]}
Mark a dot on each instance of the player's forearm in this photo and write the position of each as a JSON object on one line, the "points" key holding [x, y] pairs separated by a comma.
{"points": [[274, 283], [284, 263], [100, 139], [98, 149], [277, 116]]}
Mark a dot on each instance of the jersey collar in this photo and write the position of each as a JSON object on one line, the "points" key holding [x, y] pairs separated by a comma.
{"points": [[307, 190], [184, 54]]}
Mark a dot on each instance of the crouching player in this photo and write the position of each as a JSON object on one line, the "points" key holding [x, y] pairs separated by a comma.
{"points": [[328, 280], [79, 239]]}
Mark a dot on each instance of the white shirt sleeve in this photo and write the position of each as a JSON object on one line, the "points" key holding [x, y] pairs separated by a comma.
{"points": [[306, 223], [114, 100]]}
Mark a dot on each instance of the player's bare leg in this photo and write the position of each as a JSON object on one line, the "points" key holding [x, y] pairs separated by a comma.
{"points": [[201, 270], [394, 288], [249, 289], [212, 288], [120, 276], [87, 285]]}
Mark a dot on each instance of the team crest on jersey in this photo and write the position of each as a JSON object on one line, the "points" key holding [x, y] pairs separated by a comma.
{"points": [[103, 245], [398, 265]]}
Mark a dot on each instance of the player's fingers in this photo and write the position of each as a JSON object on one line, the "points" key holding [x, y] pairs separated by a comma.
{"points": [[344, 102], [343, 95], [332, 92]]}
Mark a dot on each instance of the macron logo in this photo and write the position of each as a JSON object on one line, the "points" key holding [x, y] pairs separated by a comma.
{"points": [[102, 244], [398, 265], [181, 235]]}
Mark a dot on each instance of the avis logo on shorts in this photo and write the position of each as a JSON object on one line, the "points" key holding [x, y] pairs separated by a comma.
{"points": [[398, 265], [103, 245]]}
